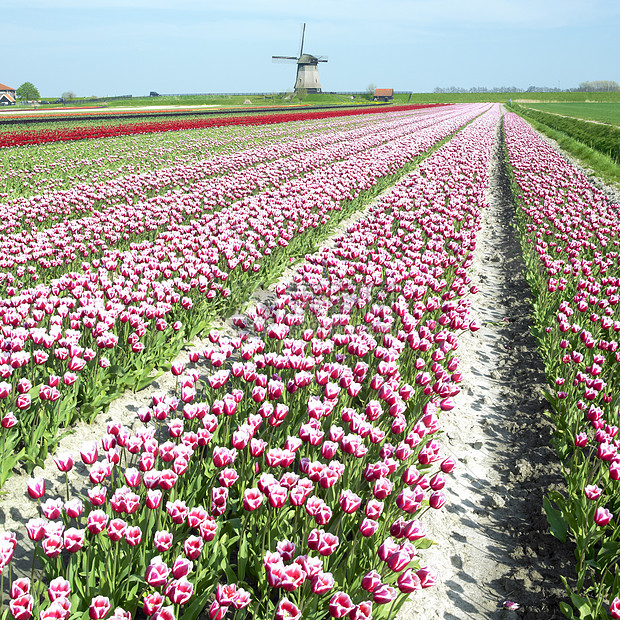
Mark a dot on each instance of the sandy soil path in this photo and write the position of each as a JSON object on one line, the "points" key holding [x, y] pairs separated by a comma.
{"points": [[493, 543]]}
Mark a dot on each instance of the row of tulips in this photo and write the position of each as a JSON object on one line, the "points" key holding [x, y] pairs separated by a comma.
{"points": [[71, 345], [260, 145], [38, 170], [570, 238], [292, 479], [90, 131], [128, 214]]}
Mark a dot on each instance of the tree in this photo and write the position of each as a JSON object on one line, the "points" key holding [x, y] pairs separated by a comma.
{"points": [[68, 95], [599, 86], [27, 92], [370, 91]]}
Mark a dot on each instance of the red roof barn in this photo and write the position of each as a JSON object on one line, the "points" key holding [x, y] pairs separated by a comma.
{"points": [[384, 94], [7, 95]]}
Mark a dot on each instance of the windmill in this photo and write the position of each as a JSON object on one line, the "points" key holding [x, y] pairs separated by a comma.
{"points": [[307, 68]]}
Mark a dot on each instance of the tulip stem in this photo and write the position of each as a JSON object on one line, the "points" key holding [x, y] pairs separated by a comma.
{"points": [[131, 572], [351, 553], [4, 431], [34, 557], [267, 526], [391, 608]]}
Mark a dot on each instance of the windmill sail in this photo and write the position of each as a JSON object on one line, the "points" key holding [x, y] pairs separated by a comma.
{"points": [[303, 34]]}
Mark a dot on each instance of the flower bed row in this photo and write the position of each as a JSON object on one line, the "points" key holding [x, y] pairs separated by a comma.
{"points": [[294, 479], [70, 345], [570, 239], [264, 146], [127, 214], [10, 139], [41, 169]]}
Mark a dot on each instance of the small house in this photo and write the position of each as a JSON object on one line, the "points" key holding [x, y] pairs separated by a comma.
{"points": [[7, 95], [384, 94]]}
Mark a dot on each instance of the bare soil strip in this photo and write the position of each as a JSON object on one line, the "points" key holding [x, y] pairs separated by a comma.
{"points": [[492, 534]]}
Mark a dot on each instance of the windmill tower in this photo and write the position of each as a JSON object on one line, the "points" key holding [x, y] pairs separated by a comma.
{"points": [[307, 68]]}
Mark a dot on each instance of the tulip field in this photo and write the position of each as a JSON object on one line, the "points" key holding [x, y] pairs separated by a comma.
{"points": [[295, 468], [150, 124], [569, 233]]}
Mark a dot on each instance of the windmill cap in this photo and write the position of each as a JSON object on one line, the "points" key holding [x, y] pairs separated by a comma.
{"points": [[308, 59]]}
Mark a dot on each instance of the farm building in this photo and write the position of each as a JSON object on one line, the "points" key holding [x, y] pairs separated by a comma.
{"points": [[7, 95], [384, 94]]}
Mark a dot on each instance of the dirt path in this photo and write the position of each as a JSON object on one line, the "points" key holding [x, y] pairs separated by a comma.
{"points": [[493, 540]]}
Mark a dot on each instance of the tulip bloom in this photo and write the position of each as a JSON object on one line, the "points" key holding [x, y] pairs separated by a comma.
{"points": [[97, 521], [428, 577], [99, 608], [20, 587], [35, 529], [21, 607], [362, 611], [162, 540], [384, 594], [602, 516], [59, 587], [73, 540], [368, 527], [156, 573], [133, 535], [9, 420], [64, 462], [340, 605], [322, 583], [287, 610], [293, 576], [36, 487], [182, 591], [408, 581], [152, 603], [371, 581]]}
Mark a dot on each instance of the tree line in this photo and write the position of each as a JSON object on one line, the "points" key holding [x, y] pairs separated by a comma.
{"points": [[595, 86]]}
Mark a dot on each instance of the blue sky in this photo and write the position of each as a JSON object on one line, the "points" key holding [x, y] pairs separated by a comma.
{"points": [[115, 47]]}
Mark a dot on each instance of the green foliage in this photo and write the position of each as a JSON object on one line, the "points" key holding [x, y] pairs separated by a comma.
{"points": [[525, 98], [557, 523], [276, 99], [602, 138], [601, 165], [28, 92], [601, 112]]}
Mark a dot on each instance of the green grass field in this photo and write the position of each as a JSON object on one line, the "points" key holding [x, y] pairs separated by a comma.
{"points": [[602, 112], [278, 99], [525, 98], [529, 99]]}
